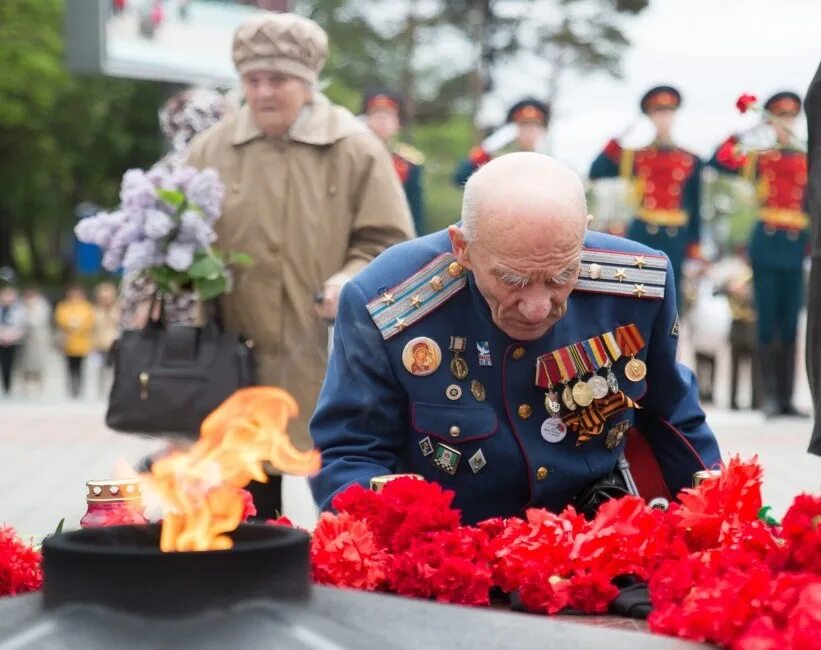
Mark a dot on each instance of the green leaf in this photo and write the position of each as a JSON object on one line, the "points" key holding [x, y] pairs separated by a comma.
{"points": [[174, 198], [240, 259], [209, 288], [59, 528], [205, 267], [765, 515]]}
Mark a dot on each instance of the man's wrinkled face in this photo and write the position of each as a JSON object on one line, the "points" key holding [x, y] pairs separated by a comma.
{"points": [[384, 122], [525, 281], [529, 135], [275, 99]]}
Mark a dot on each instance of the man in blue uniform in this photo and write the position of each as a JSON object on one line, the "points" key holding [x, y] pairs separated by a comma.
{"points": [[511, 357], [665, 181], [777, 249], [384, 113], [524, 130]]}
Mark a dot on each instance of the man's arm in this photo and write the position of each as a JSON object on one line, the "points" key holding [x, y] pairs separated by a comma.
{"points": [[361, 416], [671, 419], [607, 163], [381, 217]]}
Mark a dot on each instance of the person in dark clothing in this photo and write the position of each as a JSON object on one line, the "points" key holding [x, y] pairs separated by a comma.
{"points": [[12, 331]]}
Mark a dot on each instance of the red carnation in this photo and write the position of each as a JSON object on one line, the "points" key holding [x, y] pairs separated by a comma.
{"points": [[801, 529], [804, 625], [280, 521], [344, 553], [728, 155], [248, 507], [744, 102], [761, 634], [20, 565]]}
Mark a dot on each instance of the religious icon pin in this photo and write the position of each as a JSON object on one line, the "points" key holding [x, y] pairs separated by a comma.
{"points": [[446, 458], [635, 370], [478, 390], [453, 392], [477, 461], [567, 398], [553, 430], [483, 347], [458, 366], [421, 356], [598, 386], [551, 403], [426, 446]]}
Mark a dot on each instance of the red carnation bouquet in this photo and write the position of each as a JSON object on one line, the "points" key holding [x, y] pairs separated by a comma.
{"points": [[20, 565]]}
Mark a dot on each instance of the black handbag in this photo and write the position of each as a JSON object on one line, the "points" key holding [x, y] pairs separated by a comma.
{"points": [[168, 378]]}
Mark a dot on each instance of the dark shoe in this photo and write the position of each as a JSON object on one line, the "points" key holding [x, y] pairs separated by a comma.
{"points": [[791, 412], [771, 389]]}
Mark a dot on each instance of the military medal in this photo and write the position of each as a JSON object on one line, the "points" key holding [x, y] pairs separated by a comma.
{"points": [[567, 398], [446, 458], [553, 430], [477, 390], [582, 394], [631, 343], [598, 386], [551, 403], [615, 434], [612, 380], [421, 356], [458, 366]]}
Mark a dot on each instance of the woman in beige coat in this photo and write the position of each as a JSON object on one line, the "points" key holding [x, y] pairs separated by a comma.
{"points": [[311, 196]]}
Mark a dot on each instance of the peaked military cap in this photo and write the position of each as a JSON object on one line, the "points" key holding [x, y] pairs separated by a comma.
{"points": [[529, 109], [784, 102], [660, 97], [376, 98]]}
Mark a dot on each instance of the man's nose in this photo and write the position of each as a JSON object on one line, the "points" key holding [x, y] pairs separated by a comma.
{"points": [[535, 309]]}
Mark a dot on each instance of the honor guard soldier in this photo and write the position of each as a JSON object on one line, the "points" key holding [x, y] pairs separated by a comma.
{"points": [[511, 357], [526, 124], [665, 181], [778, 247], [384, 114]]}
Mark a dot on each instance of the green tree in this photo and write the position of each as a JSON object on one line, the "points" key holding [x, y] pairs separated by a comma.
{"points": [[64, 139]]}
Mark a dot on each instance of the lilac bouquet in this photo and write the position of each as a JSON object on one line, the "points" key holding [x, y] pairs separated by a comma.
{"points": [[164, 228]]}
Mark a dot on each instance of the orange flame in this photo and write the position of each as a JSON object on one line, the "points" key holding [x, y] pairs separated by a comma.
{"points": [[201, 487]]}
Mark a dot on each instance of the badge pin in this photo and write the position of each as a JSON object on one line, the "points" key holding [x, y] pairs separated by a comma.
{"points": [[477, 461], [478, 390], [582, 394], [483, 348], [421, 356], [612, 381], [447, 458], [675, 330], [616, 433], [426, 446], [458, 366], [553, 430], [453, 392]]}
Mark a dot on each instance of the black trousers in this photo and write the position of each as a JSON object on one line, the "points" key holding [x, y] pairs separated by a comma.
{"points": [[267, 498], [75, 375], [7, 354]]}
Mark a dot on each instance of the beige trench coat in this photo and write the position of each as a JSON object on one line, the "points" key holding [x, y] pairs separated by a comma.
{"points": [[310, 209]]}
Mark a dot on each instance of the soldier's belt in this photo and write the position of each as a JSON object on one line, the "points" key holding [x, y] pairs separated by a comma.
{"points": [[662, 218], [784, 219]]}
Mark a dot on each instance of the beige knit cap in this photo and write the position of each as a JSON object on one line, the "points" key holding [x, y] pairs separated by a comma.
{"points": [[281, 42]]}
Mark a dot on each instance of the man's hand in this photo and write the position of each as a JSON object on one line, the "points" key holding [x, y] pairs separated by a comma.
{"points": [[326, 309], [500, 138]]}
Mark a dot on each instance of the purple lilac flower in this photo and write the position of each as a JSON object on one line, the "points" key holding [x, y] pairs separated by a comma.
{"points": [[140, 256], [125, 235], [194, 229], [179, 256], [182, 176], [99, 228], [206, 192], [161, 177], [113, 258], [136, 191], [157, 224]]}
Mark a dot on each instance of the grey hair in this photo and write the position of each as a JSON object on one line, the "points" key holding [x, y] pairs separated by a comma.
{"points": [[470, 210]]}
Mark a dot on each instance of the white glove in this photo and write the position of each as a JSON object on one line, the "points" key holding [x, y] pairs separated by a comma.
{"points": [[500, 138]]}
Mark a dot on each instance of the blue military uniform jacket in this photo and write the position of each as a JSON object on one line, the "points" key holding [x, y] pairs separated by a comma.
{"points": [[409, 164], [375, 417]]}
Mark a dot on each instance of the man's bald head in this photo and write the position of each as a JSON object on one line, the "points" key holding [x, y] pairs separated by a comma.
{"points": [[521, 190], [523, 221]]}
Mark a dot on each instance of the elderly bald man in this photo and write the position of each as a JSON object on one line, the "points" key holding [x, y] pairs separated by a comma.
{"points": [[515, 358]]}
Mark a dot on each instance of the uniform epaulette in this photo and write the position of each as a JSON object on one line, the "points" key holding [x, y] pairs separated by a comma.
{"points": [[622, 274], [399, 307], [409, 153]]}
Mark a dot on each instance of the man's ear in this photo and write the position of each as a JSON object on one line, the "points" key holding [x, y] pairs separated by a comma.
{"points": [[459, 245]]}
